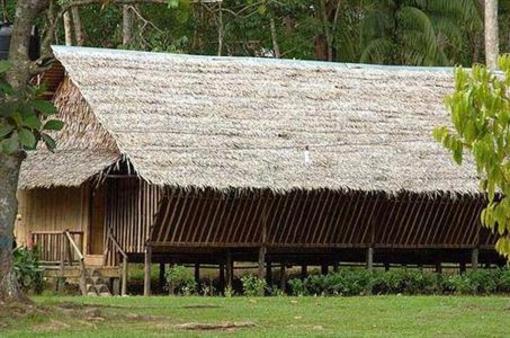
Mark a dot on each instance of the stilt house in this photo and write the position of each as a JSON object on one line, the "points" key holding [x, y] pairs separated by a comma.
{"points": [[210, 160]]}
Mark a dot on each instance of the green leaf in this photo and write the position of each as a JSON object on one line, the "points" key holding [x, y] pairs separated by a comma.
{"points": [[27, 138], [5, 129], [32, 122], [49, 141], [10, 145], [173, 3], [45, 107], [54, 125]]}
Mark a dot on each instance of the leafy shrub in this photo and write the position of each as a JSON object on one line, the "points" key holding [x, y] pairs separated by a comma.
{"points": [[348, 282], [27, 269], [297, 287], [503, 281], [180, 280], [405, 281], [253, 286], [473, 282]]}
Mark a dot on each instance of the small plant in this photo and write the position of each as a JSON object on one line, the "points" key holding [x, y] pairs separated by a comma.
{"points": [[297, 287], [229, 292], [253, 286], [27, 269], [180, 281]]}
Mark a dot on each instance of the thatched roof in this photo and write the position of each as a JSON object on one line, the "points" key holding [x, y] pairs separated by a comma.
{"points": [[222, 122]]}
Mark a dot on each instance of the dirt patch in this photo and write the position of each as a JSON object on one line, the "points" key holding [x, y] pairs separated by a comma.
{"points": [[201, 306], [214, 326], [50, 326]]}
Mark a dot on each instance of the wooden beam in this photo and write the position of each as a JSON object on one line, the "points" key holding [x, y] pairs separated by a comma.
{"points": [[147, 271]]}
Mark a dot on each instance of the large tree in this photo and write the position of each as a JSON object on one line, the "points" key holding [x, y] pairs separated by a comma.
{"points": [[24, 119]]}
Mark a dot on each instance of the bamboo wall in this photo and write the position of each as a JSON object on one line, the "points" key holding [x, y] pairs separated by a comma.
{"points": [[52, 209], [131, 207]]}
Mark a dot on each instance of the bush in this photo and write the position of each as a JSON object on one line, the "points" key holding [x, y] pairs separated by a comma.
{"points": [[405, 281], [27, 269], [297, 287], [180, 281], [503, 281], [473, 282], [253, 286]]}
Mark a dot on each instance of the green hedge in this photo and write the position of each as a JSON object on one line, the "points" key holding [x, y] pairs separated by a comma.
{"points": [[353, 282]]}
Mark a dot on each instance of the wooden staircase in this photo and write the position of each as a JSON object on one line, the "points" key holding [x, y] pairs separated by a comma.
{"points": [[63, 259], [96, 284]]}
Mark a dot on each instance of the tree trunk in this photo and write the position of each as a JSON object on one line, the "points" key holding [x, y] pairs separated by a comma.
{"points": [[127, 25], [68, 31], [19, 76], [9, 172], [491, 34], [274, 37], [78, 30]]}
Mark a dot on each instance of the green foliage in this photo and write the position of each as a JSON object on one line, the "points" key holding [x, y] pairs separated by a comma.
{"points": [[27, 270], [180, 280], [253, 286], [480, 114], [354, 282], [24, 118]]}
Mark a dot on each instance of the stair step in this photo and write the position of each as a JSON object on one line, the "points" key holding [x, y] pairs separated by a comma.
{"points": [[92, 294], [105, 294]]}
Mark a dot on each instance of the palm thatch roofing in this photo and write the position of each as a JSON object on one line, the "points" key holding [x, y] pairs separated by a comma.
{"points": [[233, 122]]}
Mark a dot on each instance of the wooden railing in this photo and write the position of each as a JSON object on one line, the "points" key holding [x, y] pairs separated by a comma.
{"points": [[115, 256], [63, 248], [53, 246]]}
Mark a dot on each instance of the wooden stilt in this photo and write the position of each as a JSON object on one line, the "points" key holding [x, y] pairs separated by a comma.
{"points": [[222, 278], [336, 266], [439, 267], [283, 278], [261, 262], [229, 276], [304, 271], [462, 267], [370, 259], [269, 274], [197, 273], [386, 266], [147, 271], [474, 259], [324, 269], [162, 277]]}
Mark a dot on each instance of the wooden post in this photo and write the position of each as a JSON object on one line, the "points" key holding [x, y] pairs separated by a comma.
{"points": [[123, 289], [439, 267], [229, 275], [370, 259], [462, 267], [222, 278], [269, 274], [386, 266], [162, 275], [474, 259], [261, 262], [197, 273], [304, 271], [147, 271], [336, 266], [283, 278], [324, 269]]}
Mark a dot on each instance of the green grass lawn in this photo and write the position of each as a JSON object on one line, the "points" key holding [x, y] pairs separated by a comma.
{"points": [[370, 316]]}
